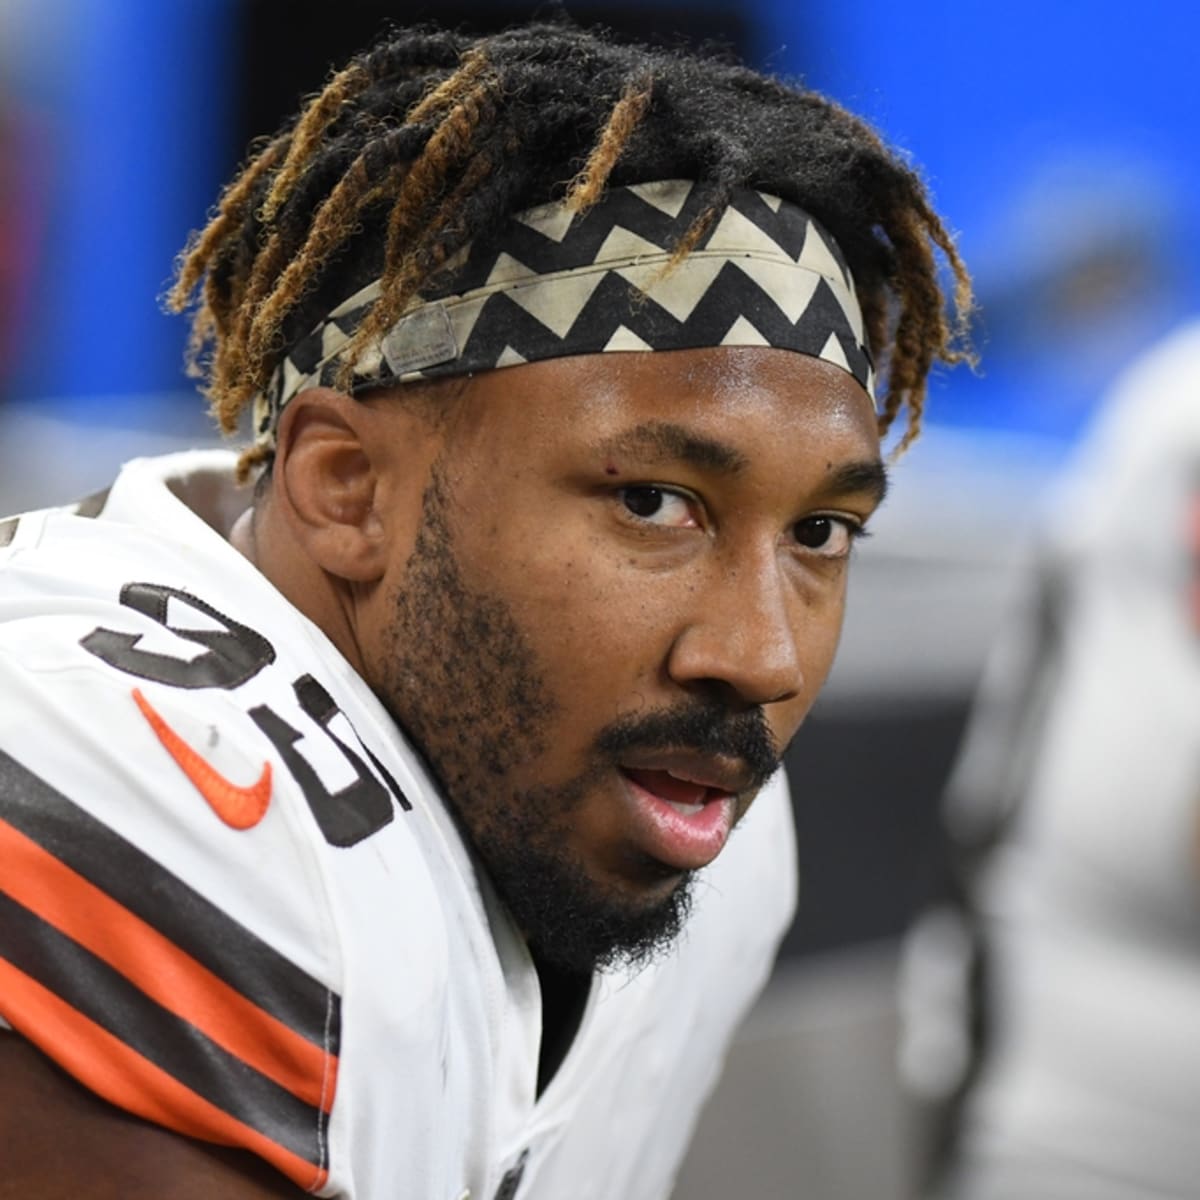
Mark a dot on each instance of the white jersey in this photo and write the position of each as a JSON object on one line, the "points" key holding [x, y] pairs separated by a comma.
{"points": [[232, 902], [1092, 1086]]}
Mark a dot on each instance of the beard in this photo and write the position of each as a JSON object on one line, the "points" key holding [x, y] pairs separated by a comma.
{"points": [[462, 678]]}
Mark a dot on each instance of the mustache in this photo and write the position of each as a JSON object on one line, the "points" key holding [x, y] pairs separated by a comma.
{"points": [[705, 726]]}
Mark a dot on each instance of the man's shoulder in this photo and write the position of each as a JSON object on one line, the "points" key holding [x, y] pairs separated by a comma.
{"points": [[200, 807], [212, 740], [195, 876], [145, 945], [138, 527]]}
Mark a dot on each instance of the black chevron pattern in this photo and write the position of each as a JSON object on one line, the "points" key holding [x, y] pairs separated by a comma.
{"points": [[608, 281], [620, 209]]}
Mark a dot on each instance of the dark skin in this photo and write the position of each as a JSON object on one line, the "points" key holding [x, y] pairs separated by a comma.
{"points": [[60, 1142], [715, 558]]}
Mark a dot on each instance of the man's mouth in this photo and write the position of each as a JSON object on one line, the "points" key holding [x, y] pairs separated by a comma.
{"points": [[683, 795], [683, 806]]}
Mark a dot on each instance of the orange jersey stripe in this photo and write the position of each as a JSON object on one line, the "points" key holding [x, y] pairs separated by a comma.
{"points": [[44, 885], [112, 1070]]}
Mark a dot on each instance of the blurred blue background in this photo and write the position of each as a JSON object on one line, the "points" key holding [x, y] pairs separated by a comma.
{"points": [[1057, 138], [1059, 143]]}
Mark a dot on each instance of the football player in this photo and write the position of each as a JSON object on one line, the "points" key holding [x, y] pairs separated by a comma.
{"points": [[410, 822]]}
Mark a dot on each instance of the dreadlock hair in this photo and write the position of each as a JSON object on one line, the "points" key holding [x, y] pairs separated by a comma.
{"points": [[431, 138]]}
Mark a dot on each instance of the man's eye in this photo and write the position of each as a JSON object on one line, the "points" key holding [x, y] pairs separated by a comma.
{"points": [[657, 505], [831, 537]]}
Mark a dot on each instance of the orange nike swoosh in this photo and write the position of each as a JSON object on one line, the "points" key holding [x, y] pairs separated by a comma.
{"points": [[239, 807]]}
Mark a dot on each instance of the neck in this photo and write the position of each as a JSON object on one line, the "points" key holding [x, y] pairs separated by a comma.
{"points": [[258, 536]]}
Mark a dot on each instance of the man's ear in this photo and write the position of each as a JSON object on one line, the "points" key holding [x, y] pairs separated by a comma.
{"points": [[337, 464]]}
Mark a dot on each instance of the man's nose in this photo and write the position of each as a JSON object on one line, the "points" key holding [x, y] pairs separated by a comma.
{"points": [[742, 633]]}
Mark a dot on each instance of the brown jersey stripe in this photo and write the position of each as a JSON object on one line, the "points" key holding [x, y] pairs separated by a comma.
{"points": [[76, 908], [107, 999], [145, 888], [113, 1070]]}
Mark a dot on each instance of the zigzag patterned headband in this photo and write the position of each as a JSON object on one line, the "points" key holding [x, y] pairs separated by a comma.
{"points": [[554, 283]]}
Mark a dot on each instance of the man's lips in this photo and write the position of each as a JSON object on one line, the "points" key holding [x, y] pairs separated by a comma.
{"points": [[682, 794], [683, 805], [713, 772]]}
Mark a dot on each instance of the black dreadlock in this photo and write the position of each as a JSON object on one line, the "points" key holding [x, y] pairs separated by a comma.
{"points": [[431, 138]]}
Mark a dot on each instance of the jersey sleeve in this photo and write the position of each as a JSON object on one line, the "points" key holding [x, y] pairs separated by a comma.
{"points": [[163, 932]]}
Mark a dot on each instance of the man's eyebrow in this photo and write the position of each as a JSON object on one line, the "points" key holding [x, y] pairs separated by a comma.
{"points": [[868, 476], [664, 441]]}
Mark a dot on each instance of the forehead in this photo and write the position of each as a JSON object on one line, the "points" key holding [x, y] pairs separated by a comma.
{"points": [[747, 402]]}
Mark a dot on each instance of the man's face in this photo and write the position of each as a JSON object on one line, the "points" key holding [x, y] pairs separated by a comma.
{"points": [[625, 593]]}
